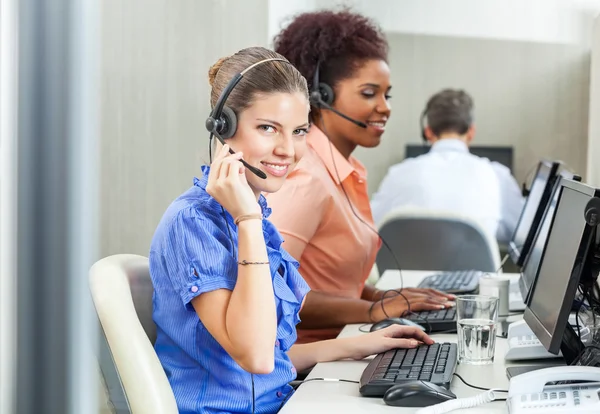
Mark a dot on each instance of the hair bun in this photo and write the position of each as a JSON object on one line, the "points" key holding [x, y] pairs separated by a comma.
{"points": [[214, 69]]}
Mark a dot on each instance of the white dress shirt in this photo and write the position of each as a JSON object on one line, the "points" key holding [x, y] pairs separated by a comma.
{"points": [[450, 178]]}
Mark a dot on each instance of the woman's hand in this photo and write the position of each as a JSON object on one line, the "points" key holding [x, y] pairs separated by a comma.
{"points": [[394, 304], [394, 336], [227, 184], [378, 295]]}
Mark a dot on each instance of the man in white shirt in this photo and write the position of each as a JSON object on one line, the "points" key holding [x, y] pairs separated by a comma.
{"points": [[449, 177]]}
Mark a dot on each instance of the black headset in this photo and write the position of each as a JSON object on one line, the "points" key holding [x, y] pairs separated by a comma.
{"points": [[222, 121], [422, 124], [322, 96]]}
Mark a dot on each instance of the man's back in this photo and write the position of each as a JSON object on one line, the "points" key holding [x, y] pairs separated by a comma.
{"points": [[448, 178]]}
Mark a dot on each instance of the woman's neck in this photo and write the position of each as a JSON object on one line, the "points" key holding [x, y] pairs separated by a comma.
{"points": [[341, 143]]}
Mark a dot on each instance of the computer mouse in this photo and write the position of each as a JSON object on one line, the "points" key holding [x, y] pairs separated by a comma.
{"points": [[394, 321], [417, 394]]}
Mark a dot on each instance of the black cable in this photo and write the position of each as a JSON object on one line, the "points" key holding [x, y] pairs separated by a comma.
{"points": [[289, 394], [330, 380], [253, 396], [577, 317], [229, 234], [475, 386], [362, 329], [360, 218]]}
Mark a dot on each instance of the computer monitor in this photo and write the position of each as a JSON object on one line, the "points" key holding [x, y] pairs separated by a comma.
{"points": [[533, 258], [503, 155], [533, 211], [565, 264]]}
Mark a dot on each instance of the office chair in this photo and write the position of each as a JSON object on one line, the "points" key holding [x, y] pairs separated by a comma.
{"points": [[436, 240], [122, 293]]}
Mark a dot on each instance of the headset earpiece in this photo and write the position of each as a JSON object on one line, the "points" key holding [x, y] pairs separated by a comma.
{"points": [[326, 93], [225, 125], [229, 120], [321, 92], [422, 125]]}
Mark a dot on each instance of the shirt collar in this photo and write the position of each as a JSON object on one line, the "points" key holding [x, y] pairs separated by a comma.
{"points": [[449, 144], [332, 158], [201, 182]]}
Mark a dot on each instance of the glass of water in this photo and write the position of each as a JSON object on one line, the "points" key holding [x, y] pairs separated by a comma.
{"points": [[476, 318]]}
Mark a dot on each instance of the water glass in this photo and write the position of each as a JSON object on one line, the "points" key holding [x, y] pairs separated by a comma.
{"points": [[476, 318]]}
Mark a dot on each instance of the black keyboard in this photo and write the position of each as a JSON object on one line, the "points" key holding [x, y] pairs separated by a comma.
{"points": [[433, 363], [461, 281], [437, 320]]}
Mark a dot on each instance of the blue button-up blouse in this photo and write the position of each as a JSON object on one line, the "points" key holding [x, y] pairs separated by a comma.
{"points": [[192, 252]]}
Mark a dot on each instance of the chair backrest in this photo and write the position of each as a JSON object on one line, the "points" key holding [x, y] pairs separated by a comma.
{"points": [[122, 293], [436, 240]]}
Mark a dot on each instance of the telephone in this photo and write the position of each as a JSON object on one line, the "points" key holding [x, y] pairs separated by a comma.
{"points": [[529, 393]]}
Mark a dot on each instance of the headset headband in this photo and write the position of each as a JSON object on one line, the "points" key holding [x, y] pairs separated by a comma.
{"points": [[216, 112]]}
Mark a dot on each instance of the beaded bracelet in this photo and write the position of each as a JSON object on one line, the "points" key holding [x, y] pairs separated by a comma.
{"points": [[245, 263]]}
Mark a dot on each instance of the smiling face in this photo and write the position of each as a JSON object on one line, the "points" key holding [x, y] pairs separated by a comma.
{"points": [[364, 97], [271, 134]]}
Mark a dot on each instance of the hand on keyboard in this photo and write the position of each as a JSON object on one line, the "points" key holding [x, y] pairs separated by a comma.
{"points": [[392, 337], [395, 305], [415, 291]]}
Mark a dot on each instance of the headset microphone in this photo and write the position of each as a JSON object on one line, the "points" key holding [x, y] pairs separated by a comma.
{"points": [[317, 101], [322, 96], [252, 169]]}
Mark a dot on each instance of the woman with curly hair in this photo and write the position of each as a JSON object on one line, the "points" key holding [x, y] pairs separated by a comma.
{"points": [[323, 208]]}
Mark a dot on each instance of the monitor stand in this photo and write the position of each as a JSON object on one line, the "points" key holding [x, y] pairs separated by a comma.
{"points": [[522, 369], [570, 347]]}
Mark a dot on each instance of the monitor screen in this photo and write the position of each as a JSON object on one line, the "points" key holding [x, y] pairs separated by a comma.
{"points": [[502, 155], [531, 215], [534, 256], [562, 261]]}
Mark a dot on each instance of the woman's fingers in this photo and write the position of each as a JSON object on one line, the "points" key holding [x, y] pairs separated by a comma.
{"points": [[408, 332], [420, 297], [428, 292], [437, 293], [223, 153], [225, 169], [426, 305]]}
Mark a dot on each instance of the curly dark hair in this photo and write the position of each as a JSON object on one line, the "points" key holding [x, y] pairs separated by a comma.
{"points": [[340, 40]]}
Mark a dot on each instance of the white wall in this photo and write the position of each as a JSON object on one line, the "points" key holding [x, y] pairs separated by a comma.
{"points": [[155, 99], [280, 12], [547, 21]]}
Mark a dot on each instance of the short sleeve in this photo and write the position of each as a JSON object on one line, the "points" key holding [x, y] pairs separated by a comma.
{"points": [[197, 256], [298, 209]]}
